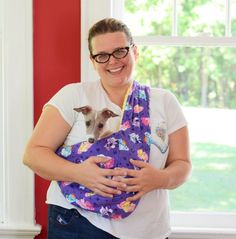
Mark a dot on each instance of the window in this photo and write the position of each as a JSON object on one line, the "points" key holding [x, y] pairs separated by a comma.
{"points": [[168, 32], [205, 83]]}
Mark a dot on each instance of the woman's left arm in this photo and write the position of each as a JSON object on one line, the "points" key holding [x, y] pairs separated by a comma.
{"points": [[178, 165], [177, 170]]}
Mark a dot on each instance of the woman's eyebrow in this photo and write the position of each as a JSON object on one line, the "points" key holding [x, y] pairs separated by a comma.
{"points": [[106, 52]]}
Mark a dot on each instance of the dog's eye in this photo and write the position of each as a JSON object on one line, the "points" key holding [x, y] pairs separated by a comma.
{"points": [[88, 123], [100, 126]]}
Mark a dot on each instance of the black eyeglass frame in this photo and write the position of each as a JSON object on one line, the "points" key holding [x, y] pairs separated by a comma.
{"points": [[127, 48]]}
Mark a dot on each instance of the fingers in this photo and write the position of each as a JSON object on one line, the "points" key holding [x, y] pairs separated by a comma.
{"points": [[98, 159], [114, 181], [138, 163], [102, 193], [133, 173], [110, 182], [106, 191], [108, 188], [127, 181], [122, 172], [135, 197], [134, 188], [115, 186]]}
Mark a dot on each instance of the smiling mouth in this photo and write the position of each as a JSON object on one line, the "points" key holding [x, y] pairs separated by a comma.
{"points": [[116, 70]]}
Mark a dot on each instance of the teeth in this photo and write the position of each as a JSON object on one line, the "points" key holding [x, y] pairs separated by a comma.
{"points": [[115, 70]]}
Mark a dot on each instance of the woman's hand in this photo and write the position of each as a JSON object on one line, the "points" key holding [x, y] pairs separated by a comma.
{"points": [[99, 180], [175, 173], [142, 181]]}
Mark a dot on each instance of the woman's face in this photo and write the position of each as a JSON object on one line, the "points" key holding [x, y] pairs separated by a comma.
{"points": [[115, 72]]}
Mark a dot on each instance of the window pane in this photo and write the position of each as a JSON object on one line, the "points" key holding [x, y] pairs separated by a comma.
{"points": [[198, 76], [148, 17], [204, 81], [154, 17], [212, 186], [201, 16], [233, 16]]}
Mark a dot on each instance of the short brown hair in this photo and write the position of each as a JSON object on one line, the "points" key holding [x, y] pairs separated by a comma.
{"points": [[108, 25]]}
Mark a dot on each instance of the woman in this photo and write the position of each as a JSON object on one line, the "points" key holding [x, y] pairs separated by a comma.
{"points": [[113, 55]]}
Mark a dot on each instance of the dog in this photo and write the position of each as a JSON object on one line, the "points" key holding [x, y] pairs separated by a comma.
{"points": [[95, 122]]}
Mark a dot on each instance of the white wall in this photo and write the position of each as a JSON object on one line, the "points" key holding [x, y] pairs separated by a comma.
{"points": [[16, 120]]}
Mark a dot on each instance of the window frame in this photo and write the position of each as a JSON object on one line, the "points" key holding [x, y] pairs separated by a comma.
{"points": [[2, 188], [184, 224]]}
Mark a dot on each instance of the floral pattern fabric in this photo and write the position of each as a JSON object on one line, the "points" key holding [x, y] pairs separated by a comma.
{"points": [[132, 141]]}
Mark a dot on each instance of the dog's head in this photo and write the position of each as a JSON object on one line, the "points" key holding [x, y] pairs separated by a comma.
{"points": [[95, 121]]}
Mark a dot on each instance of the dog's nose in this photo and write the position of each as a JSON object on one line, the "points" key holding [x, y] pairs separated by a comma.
{"points": [[91, 140]]}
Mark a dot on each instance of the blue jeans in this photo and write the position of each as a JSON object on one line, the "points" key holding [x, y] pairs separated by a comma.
{"points": [[69, 224]]}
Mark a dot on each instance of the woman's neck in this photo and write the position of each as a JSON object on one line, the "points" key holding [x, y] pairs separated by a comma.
{"points": [[117, 94]]}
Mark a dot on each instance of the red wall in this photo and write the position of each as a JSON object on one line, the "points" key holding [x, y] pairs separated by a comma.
{"points": [[56, 63]]}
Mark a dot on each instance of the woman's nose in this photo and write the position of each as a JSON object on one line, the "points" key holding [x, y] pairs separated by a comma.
{"points": [[112, 59]]}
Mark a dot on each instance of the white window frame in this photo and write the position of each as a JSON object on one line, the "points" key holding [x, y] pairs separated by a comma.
{"points": [[16, 120], [2, 188], [184, 225]]}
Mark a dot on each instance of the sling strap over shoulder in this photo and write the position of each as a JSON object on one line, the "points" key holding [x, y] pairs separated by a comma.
{"points": [[130, 142]]}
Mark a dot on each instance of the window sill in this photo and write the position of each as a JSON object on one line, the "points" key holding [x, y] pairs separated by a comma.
{"points": [[202, 233]]}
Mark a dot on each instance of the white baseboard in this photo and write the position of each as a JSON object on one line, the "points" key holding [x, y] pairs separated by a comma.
{"points": [[19, 231]]}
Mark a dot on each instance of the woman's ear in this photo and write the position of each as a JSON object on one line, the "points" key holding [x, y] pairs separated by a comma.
{"points": [[136, 52]]}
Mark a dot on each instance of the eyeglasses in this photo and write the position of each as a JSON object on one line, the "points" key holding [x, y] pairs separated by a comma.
{"points": [[118, 54]]}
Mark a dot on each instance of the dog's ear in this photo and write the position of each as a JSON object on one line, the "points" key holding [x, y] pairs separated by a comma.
{"points": [[106, 113], [85, 109]]}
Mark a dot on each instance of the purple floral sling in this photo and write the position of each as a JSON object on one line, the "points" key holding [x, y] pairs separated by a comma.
{"points": [[130, 142]]}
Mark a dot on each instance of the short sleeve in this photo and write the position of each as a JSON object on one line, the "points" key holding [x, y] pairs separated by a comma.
{"points": [[65, 100], [174, 113]]}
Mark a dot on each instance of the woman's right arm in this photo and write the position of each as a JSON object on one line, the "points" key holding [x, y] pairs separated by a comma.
{"points": [[50, 133]]}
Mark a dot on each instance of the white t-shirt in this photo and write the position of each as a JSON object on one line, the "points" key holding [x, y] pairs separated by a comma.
{"points": [[151, 217]]}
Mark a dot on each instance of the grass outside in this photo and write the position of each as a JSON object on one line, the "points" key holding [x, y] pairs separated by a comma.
{"points": [[212, 186]]}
